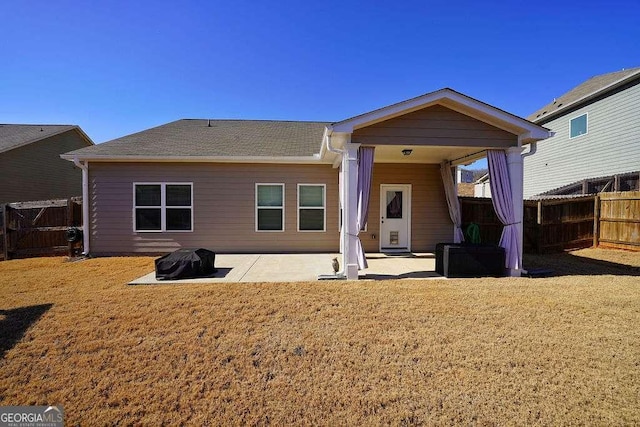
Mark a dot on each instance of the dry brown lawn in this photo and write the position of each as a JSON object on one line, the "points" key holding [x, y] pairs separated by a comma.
{"points": [[560, 350]]}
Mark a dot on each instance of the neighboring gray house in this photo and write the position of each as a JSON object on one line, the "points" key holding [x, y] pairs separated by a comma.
{"points": [[30, 163], [597, 134]]}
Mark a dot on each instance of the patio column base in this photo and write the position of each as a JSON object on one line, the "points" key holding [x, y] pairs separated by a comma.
{"points": [[352, 271], [514, 272]]}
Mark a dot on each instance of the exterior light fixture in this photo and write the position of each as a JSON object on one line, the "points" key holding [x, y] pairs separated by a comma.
{"points": [[407, 151]]}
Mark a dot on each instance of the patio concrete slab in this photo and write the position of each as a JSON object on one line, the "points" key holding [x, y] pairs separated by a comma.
{"points": [[305, 267], [289, 268], [257, 268]]}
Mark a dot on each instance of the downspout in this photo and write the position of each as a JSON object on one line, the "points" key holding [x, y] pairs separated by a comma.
{"points": [[345, 207], [331, 147], [533, 147], [85, 204]]}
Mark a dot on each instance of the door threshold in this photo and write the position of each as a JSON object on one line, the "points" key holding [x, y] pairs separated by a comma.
{"points": [[395, 251]]}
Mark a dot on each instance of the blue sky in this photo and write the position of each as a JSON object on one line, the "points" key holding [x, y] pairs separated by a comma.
{"points": [[117, 67]]}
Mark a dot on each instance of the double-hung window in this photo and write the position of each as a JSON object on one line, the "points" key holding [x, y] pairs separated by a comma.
{"points": [[311, 207], [578, 126], [163, 207], [269, 207]]}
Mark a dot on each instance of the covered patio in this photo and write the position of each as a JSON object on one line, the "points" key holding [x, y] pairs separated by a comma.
{"points": [[397, 165]]}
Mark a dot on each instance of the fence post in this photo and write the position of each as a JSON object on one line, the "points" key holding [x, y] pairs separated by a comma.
{"points": [[5, 249], [540, 227], [596, 221], [70, 223]]}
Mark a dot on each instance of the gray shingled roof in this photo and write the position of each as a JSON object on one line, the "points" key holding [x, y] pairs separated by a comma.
{"points": [[591, 87], [14, 136], [222, 138]]}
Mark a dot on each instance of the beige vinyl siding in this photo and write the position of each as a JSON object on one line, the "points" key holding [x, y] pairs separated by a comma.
{"points": [[437, 126], [430, 221], [36, 171], [611, 145], [223, 203]]}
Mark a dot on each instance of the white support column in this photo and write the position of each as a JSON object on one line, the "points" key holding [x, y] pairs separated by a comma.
{"points": [[514, 165], [350, 209], [342, 203]]}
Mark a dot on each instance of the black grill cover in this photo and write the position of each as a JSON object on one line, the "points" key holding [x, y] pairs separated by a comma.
{"points": [[186, 264]]}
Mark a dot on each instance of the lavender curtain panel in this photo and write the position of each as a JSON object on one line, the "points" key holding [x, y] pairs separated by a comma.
{"points": [[503, 205], [452, 201], [365, 172]]}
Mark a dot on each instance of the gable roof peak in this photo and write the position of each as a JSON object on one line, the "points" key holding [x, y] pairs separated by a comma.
{"points": [[454, 100]]}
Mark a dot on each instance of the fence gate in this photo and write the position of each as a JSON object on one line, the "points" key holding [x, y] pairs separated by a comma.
{"points": [[619, 220], [29, 229]]}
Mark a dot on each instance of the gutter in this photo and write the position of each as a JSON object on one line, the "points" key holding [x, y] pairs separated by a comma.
{"points": [[315, 158], [85, 204]]}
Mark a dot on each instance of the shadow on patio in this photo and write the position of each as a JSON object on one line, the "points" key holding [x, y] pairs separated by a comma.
{"points": [[386, 266]]}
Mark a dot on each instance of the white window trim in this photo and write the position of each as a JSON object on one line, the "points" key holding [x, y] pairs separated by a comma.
{"points": [[269, 207], [324, 208], [163, 207], [587, 125]]}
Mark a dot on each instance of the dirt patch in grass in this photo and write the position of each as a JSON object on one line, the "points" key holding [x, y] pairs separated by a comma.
{"points": [[561, 350]]}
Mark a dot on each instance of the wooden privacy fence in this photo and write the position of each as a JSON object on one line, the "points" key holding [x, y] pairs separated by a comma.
{"points": [[618, 222], [29, 229], [557, 224]]}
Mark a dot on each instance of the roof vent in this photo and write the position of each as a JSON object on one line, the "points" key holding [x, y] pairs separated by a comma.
{"points": [[554, 100], [209, 123]]}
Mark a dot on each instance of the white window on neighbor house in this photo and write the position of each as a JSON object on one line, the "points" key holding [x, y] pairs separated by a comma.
{"points": [[269, 207], [161, 207], [579, 126], [311, 207]]}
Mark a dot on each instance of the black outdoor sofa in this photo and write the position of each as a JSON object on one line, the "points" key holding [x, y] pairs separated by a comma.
{"points": [[470, 260]]}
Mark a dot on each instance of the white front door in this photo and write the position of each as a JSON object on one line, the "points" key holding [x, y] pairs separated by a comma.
{"points": [[395, 218]]}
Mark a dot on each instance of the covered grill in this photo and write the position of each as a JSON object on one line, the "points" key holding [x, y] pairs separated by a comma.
{"points": [[186, 264]]}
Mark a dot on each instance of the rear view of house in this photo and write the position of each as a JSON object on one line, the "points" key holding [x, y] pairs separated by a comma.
{"points": [[378, 182], [597, 138], [30, 163]]}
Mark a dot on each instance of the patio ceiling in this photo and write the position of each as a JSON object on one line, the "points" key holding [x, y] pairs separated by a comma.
{"points": [[424, 154]]}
